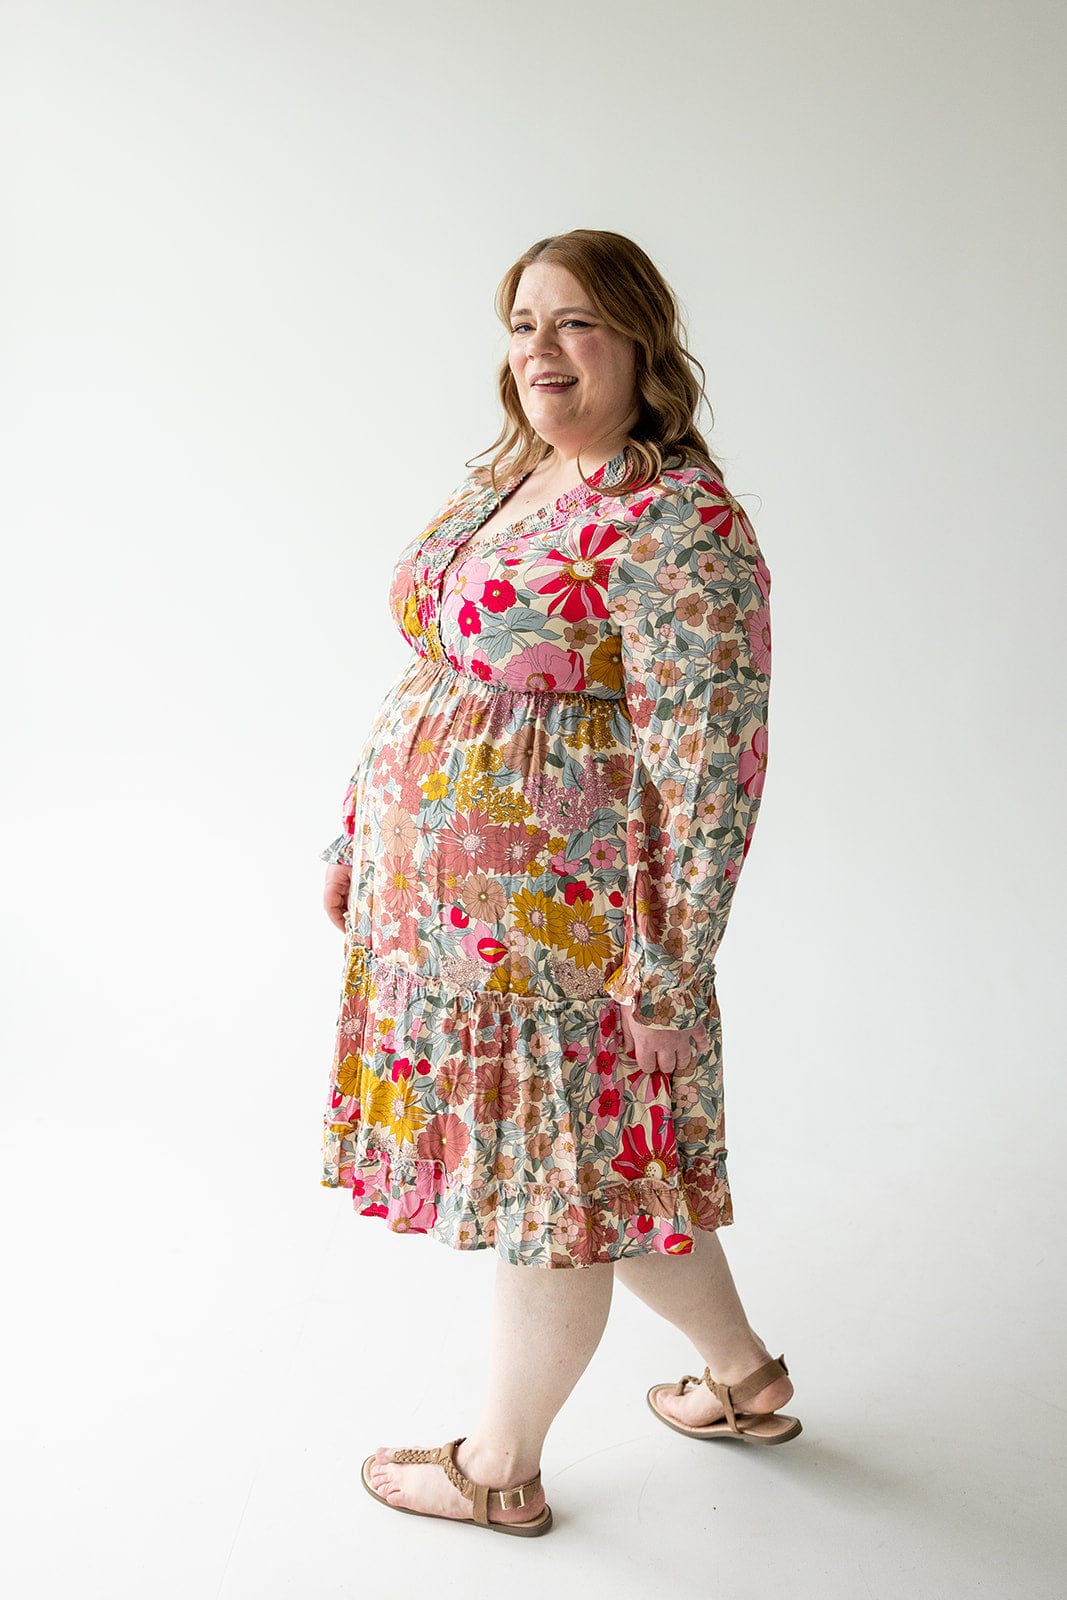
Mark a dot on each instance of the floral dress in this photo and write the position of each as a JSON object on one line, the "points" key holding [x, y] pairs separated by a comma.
{"points": [[548, 817]]}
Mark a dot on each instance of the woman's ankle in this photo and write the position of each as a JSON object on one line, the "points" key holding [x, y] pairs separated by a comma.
{"points": [[500, 1465]]}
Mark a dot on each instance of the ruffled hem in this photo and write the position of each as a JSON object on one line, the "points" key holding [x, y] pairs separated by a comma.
{"points": [[494, 1119], [538, 1225]]}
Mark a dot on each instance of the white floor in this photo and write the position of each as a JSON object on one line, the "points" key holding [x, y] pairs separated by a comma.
{"points": [[196, 1368]]}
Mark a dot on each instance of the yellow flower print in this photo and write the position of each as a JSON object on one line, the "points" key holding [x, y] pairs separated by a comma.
{"points": [[581, 934], [533, 913], [605, 662], [410, 618], [435, 787], [394, 1106]]}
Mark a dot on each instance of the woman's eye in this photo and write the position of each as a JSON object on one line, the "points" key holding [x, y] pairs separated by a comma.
{"points": [[571, 322]]}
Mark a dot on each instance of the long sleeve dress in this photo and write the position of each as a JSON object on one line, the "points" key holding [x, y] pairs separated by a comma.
{"points": [[548, 817]]}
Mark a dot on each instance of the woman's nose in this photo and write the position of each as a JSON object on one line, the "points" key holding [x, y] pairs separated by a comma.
{"points": [[541, 340]]}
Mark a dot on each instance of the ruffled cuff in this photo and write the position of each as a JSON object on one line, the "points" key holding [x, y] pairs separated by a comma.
{"points": [[339, 853], [663, 1000]]}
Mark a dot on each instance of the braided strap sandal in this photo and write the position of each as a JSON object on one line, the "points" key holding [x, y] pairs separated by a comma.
{"points": [[757, 1427], [483, 1498]]}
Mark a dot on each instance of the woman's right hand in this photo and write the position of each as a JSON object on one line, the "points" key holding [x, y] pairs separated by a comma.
{"points": [[335, 894]]}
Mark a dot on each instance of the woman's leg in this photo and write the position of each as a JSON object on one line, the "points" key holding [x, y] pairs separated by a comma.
{"points": [[696, 1292], [547, 1321]]}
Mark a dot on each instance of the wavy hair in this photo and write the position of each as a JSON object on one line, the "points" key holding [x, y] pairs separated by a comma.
{"points": [[628, 293]]}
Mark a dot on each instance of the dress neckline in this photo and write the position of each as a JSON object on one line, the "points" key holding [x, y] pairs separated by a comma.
{"points": [[580, 491]]}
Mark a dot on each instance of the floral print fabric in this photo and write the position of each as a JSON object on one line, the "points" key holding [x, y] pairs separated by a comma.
{"points": [[549, 817]]}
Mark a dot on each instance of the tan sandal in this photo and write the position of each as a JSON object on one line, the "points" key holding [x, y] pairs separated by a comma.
{"points": [[481, 1496], [758, 1427]]}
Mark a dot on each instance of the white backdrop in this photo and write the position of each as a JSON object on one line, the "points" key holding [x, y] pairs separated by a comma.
{"points": [[248, 344]]}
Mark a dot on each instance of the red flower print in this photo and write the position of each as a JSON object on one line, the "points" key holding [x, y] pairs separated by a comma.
{"points": [[609, 1104], [674, 1244], [640, 1159], [654, 1083], [577, 891], [576, 575], [470, 619], [498, 595], [445, 1139]]}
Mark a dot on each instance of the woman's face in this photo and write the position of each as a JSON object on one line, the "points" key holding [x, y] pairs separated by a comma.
{"points": [[555, 331]]}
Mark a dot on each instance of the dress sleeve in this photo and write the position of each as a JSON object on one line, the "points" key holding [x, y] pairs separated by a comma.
{"points": [[340, 851], [690, 597]]}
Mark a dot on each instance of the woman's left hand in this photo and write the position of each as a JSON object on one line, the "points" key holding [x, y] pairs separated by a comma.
{"points": [[660, 1049], [335, 894]]}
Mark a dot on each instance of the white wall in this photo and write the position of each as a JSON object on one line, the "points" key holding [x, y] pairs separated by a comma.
{"points": [[248, 343]]}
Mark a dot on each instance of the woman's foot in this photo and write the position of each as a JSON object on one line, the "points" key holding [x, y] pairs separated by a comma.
{"points": [[699, 1406], [424, 1485]]}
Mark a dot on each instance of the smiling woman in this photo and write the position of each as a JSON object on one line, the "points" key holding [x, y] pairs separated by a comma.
{"points": [[540, 847]]}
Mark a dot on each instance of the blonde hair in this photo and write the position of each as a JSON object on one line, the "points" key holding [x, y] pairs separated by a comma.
{"points": [[629, 294]]}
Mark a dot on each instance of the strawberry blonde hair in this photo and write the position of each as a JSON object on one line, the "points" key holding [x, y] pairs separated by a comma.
{"points": [[629, 293]]}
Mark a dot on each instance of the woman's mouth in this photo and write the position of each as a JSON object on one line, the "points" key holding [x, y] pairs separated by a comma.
{"points": [[553, 385]]}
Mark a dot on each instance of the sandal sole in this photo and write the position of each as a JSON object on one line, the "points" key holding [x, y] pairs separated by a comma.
{"points": [[524, 1530], [722, 1429]]}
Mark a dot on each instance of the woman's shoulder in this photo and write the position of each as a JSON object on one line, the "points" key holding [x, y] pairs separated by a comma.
{"points": [[685, 511]]}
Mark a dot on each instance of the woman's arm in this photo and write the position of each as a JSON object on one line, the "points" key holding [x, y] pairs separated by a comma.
{"points": [[690, 597]]}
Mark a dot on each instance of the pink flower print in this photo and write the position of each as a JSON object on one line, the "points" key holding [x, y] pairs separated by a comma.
{"points": [[412, 1214], [752, 766], [671, 577], [763, 577], [564, 868], [399, 833], [576, 573], [476, 939], [444, 1139], [422, 753], [399, 885], [758, 624], [480, 668], [545, 666], [468, 842], [497, 594], [401, 1068]]}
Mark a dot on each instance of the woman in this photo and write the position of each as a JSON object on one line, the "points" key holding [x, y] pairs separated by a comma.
{"points": [[540, 847]]}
